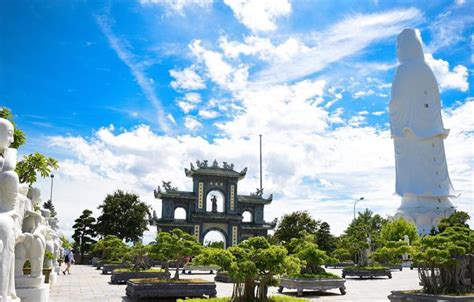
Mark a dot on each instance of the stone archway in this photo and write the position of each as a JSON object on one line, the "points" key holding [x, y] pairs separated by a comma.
{"points": [[214, 237], [221, 228]]}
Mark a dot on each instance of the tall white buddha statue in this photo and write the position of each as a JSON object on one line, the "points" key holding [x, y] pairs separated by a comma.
{"points": [[8, 197], [417, 129]]}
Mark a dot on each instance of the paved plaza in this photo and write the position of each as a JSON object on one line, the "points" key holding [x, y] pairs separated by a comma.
{"points": [[88, 284]]}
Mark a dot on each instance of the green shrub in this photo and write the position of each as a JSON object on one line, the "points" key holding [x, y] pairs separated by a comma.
{"points": [[322, 275], [227, 299]]}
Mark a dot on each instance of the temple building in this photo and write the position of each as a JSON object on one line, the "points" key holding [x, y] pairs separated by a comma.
{"points": [[214, 204]]}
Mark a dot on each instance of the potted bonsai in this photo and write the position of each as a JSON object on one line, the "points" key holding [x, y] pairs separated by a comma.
{"points": [[140, 268], [174, 246], [111, 250], [311, 275], [445, 263], [253, 266]]}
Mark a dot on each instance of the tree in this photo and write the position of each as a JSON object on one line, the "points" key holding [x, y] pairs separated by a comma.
{"points": [[295, 225], [28, 168], [252, 263], [391, 253], [443, 260], [311, 256], [397, 229], [458, 218], [48, 205], [123, 215], [84, 232], [110, 248], [324, 239], [175, 245], [354, 239], [65, 243], [18, 135]]}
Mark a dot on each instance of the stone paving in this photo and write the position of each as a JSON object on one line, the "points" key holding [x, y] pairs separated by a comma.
{"points": [[88, 284]]}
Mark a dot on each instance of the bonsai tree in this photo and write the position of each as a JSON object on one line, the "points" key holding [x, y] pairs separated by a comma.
{"points": [[138, 256], [110, 248], [393, 246], [312, 258], [84, 233], [391, 253], [253, 261], [443, 258], [175, 245]]}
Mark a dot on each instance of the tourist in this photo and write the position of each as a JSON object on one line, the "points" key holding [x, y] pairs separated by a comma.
{"points": [[68, 260]]}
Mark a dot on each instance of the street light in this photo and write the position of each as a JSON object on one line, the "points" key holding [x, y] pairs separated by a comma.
{"points": [[51, 193], [356, 201]]}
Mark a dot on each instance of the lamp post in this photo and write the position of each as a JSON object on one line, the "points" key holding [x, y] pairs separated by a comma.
{"points": [[51, 193], [356, 201]]}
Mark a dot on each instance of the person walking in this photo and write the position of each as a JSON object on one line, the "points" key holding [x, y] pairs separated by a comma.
{"points": [[68, 260]]}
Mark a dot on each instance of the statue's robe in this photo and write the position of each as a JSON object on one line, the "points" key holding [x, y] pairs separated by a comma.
{"points": [[417, 126]]}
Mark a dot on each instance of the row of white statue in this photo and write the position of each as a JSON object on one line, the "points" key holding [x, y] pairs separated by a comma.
{"points": [[26, 232]]}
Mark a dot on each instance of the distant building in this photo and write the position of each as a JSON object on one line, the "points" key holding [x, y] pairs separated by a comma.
{"points": [[214, 204]]}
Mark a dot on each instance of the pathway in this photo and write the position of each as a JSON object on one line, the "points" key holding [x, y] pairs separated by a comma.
{"points": [[88, 284]]}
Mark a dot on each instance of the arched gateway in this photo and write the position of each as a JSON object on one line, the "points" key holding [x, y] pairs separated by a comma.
{"points": [[200, 218]]}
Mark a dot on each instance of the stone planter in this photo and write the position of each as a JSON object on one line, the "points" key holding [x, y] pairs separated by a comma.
{"points": [[320, 284], [223, 277], [150, 288], [46, 273], [190, 268], [340, 264], [123, 277], [400, 296], [398, 267], [370, 273], [108, 268]]}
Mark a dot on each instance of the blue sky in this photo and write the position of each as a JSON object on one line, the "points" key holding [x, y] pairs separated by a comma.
{"points": [[180, 80]]}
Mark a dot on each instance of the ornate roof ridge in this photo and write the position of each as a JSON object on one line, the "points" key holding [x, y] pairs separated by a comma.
{"points": [[204, 168]]}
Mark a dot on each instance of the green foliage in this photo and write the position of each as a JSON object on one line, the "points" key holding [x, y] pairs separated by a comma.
{"points": [[295, 225], [123, 215], [216, 244], [366, 267], [324, 239], [175, 245], [138, 256], [458, 218], [321, 275], [28, 168], [65, 243], [391, 253], [84, 233], [342, 254], [254, 261], [48, 205], [443, 258], [396, 230], [129, 270], [19, 136], [355, 236], [110, 248], [49, 255]]}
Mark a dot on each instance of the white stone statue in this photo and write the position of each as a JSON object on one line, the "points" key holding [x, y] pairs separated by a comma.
{"points": [[417, 129], [8, 198], [405, 256], [31, 246]]}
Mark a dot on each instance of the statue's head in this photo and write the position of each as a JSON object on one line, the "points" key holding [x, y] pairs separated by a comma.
{"points": [[6, 133], [35, 195], [409, 46]]}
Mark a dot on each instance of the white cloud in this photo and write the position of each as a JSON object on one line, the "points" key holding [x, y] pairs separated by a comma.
{"points": [[186, 79], [218, 70], [185, 106], [259, 15], [455, 79], [192, 123], [343, 39], [208, 114], [263, 48], [178, 6], [193, 97], [136, 68]]}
